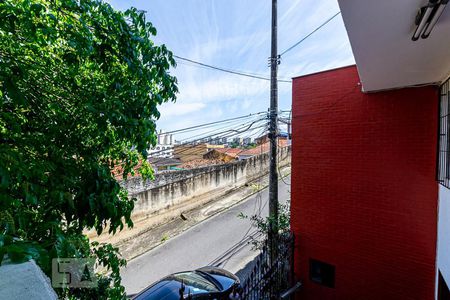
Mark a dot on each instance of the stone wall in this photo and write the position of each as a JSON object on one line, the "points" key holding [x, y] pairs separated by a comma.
{"points": [[188, 188]]}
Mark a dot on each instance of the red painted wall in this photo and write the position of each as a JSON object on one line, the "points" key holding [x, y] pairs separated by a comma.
{"points": [[364, 195]]}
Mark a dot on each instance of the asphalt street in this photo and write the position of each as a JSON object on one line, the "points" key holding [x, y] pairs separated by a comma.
{"points": [[220, 240]]}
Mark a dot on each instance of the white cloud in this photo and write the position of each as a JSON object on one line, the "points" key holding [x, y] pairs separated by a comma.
{"points": [[179, 109], [235, 34], [223, 88]]}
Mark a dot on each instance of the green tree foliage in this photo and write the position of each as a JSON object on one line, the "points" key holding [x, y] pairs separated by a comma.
{"points": [[234, 145], [250, 146], [79, 87], [282, 225]]}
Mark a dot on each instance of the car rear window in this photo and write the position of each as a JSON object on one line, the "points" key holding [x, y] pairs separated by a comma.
{"points": [[224, 281], [196, 283]]}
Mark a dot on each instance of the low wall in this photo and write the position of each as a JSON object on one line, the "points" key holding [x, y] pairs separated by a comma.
{"points": [[182, 188]]}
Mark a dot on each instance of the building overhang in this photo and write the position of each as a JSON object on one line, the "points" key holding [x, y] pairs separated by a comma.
{"points": [[380, 35]]}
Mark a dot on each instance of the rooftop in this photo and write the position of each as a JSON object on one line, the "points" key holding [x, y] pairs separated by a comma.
{"points": [[233, 152], [163, 161], [263, 148]]}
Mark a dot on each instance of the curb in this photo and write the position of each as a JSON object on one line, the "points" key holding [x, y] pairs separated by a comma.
{"points": [[207, 218]]}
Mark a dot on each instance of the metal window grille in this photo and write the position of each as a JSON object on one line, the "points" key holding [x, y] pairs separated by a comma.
{"points": [[443, 167]]}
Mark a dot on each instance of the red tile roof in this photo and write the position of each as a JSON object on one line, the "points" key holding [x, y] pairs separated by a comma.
{"points": [[260, 149], [117, 171], [198, 163], [233, 152], [264, 148]]}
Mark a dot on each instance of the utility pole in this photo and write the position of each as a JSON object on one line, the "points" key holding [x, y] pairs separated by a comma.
{"points": [[273, 133]]}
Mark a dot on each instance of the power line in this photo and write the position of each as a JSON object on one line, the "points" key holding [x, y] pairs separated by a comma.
{"points": [[213, 133], [311, 33], [185, 63], [227, 70], [235, 72], [225, 125], [212, 123], [226, 133], [229, 124], [253, 133], [232, 128], [246, 238], [192, 144]]}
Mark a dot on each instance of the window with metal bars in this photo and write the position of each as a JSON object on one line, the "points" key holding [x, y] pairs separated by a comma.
{"points": [[443, 167]]}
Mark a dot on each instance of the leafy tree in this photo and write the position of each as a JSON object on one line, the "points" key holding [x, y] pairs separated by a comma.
{"points": [[282, 225], [79, 87], [250, 146], [234, 145]]}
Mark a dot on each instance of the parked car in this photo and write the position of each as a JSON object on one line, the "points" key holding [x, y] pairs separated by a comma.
{"points": [[204, 283]]}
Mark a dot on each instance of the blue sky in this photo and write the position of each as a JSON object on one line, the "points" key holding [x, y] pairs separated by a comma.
{"points": [[235, 34]]}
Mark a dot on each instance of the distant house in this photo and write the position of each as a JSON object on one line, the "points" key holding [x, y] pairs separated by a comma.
{"points": [[233, 152], [164, 164], [265, 138], [246, 141], [188, 152], [214, 146], [262, 139], [223, 154], [199, 163], [260, 149], [118, 171], [237, 141], [218, 141]]}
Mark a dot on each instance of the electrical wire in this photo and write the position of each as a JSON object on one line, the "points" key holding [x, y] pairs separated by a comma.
{"points": [[310, 34], [246, 74], [216, 131], [226, 133], [278, 167], [207, 68], [259, 193], [253, 133], [231, 126], [193, 145], [212, 123], [199, 129], [261, 207], [223, 259], [279, 153], [228, 70]]}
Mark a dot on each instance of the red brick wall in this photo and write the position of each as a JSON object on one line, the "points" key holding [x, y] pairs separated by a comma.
{"points": [[364, 195]]}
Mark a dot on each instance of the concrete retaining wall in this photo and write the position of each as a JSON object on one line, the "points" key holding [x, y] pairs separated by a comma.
{"points": [[186, 187]]}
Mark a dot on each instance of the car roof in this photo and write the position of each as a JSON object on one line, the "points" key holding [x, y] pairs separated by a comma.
{"points": [[168, 288], [164, 290]]}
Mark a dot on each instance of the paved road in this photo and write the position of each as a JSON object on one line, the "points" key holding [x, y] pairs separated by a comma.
{"points": [[203, 244]]}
